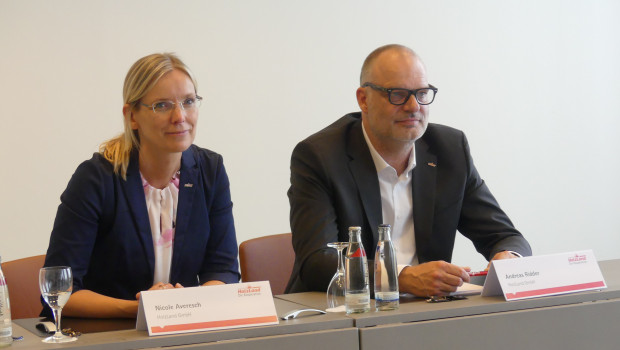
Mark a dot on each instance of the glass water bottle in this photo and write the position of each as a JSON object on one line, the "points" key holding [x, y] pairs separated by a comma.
{"points": [[357, 293], [386, 276]]}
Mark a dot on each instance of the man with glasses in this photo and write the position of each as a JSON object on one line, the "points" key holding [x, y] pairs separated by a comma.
{"points": [[387, 164]]}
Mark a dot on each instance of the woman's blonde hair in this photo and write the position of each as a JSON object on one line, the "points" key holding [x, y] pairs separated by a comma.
{"points": [[140, 79]]}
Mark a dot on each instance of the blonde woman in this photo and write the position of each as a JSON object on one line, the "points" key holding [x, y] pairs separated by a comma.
{"points": [[150, 210]]}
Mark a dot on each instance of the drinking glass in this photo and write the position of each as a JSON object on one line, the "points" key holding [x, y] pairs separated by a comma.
{"points": [[335, 291], [56, 284]]}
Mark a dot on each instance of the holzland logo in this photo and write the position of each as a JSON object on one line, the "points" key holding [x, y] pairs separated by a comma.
{"points": [[248, 291], [577, 259]]}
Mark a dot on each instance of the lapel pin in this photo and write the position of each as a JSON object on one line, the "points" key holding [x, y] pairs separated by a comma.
{"points": [[189, 185], [432, 164]]}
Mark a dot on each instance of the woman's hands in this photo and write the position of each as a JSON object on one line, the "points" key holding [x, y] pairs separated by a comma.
{"points": [[160, 286]]}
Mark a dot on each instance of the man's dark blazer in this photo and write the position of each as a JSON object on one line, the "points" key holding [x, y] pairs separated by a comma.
{"points": [[102, 228], [334, 185]]}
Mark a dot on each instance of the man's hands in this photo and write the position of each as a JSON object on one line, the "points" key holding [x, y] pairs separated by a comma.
{"points": [[435, 278], [501, 255], [438, 278]]}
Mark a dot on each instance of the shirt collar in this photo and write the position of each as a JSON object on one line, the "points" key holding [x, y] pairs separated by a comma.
{"points": [[381, 164], [174, 180]]}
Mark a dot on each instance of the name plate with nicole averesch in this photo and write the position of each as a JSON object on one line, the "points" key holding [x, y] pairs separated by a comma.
{"points": [[544, 275], [194, 309]]}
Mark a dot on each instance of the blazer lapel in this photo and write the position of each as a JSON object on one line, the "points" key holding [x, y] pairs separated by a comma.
{"points": [[136, 201], [423, 187], [365, 175], [188, 183]]}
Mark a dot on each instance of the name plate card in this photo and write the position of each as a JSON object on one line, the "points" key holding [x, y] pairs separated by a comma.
{"points": [[543, 275], [193, 309]]}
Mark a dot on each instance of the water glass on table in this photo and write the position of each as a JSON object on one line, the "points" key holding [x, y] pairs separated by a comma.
{"points": [[335, 291], [56, 284]]}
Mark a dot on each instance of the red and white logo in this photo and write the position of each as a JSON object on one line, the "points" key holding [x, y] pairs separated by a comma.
{"points": [[358, 253], [248, 290], [577, 259]]}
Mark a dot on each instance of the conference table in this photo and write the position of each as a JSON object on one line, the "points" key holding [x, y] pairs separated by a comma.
{"points": [[335, 331], [571, 321], [584, 320]]}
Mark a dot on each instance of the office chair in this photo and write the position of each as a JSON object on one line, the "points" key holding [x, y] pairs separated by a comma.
{"points": [[268, 258], [22, 279]]}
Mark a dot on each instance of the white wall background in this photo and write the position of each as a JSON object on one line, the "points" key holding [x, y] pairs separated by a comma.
{"points": [[534, 84]]}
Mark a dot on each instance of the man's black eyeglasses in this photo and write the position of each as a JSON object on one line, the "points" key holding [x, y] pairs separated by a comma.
{"points": [[398, 96]]}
